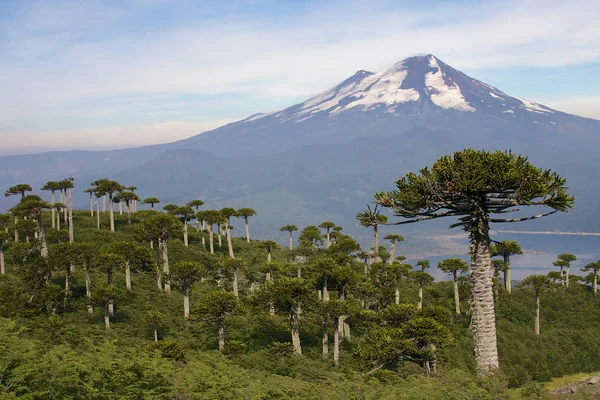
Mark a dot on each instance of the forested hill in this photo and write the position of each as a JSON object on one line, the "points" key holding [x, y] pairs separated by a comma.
{"points": [[98, 319]]}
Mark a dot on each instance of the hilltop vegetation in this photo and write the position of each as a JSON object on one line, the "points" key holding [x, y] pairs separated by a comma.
{"points": [[148, 304]]}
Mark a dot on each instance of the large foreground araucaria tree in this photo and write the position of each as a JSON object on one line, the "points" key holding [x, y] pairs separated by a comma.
{"points": [[476, 186]]}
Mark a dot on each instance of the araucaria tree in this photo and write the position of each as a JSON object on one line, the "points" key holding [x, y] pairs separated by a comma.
{"points": [[327, 225], [537, 283], [592, 277], [246, 213], [475, 186], [564, 261], [184, 275], [393, 238], [455, 267], [215, 307], [31, 206], [107, 187], [290, 229], [227, 213], [373, 218], [505, 249]]}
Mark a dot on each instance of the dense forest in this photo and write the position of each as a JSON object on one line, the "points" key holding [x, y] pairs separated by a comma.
{"points": [[139, 300]]}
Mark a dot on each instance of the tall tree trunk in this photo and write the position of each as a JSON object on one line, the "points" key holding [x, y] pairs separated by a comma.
{"points": [[128, 206], [127, 275], [344, 328], [53, 211], [392, 253], [111, 304], [158, 270], [211, 240], [376, 240], [537, 314], [229, 244], [186, 302], [568, 274], [294, 324], [507, 280], [165, 264], [291, 241], [107, 318], [120, 207], [325, 339], [111, 213], [236, 273], [88, 288], [337, 333], [247, 230], [185, 234], [420, 302], [595, 284], [104, 203], [67, 286], [397, 295], [91, 205], [16, 230], [65, 209], [155, 335], [71, 234], [42, 237], [203, 241], [456, 296], [221, 333], [2, 267], [58, 221], [484, 319], [219, 235], [328, 239], [98, 216]]}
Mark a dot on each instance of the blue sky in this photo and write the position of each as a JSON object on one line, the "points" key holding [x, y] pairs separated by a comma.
{"points": [[108, 74]]}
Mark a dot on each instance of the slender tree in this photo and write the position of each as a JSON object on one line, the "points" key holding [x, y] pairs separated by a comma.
{"points": [[129, 198], [184, 275], [422, 279], [393, 239], [372, 218], [31, 206], [310, 237], [86, 255], [537, 283], [4, 237], [211, 217], [106, 187], [234, 267], [52, 186], [593, 269], [155, 320], [564, 260], [105, 297], [505, 249], [21, 189], [454, 267], [108, 263], [196, 204], [471, 185], [227, 213], [132, 255], [327, 225], [289, 229], [152, 201], [215, 307], [246, 213]]}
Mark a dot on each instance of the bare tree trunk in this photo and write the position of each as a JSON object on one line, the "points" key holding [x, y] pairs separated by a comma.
{"points": [[295, 331], [111, 213], [219, 235], [128, 206], [120, 207], [291, 241], [392, 253], [88, 288], [325, 339], [247, 230], [71, 234], [42, 237], [2, 267], [106, 318], [236, 272], [595, 283], [127, 275], [211, 240], [221, 334], [98, 216], [420, 302], [53, 211], [65, 209], [156, 335], [185, 234], [507, 280], [229, 244], [327, 239], [91, 204], [456, 296], [165, 265], [16, 230], [336, 341], [484, 319], [397, 295], [104, 203], [67, 285], [376, 240], [58, 221], [158, 272], [568, 274], [186, 302], [537, 314]]}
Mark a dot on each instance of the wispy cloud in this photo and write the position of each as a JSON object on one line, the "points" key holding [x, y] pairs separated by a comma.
{"points": [[85, 56]]}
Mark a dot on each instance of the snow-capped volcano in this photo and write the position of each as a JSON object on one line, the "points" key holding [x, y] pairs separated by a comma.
{"points": [[412, 86]]}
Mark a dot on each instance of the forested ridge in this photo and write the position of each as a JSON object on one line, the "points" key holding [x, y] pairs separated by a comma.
{"points": [[169, 302]]}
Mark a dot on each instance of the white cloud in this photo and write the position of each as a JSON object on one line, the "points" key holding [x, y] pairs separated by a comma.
{"points": [[57, 57]]}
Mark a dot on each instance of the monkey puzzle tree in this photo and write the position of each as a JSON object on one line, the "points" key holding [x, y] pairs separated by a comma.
{"points": [[152, 201], [52, 186], [372, 218], [154, 320], [108, 187], [593, 269], [472, 185], [505, 249], [132, 254], [211, 217], [393, 239], [215, 307], [234, 267], [184, 274], [246, 213], [227, 213], [91, 192], [289, 228], [196, 204], [129, 198], [21, 189], [105, 297], [86, 255], [537, 283], [422, 279], [454, 267], [310, 237], [564, 261], [327, 225], [396, 272], [67, 185], [184, 214], [428, 335], [31, 206], [108, 263], [321, 268]]}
